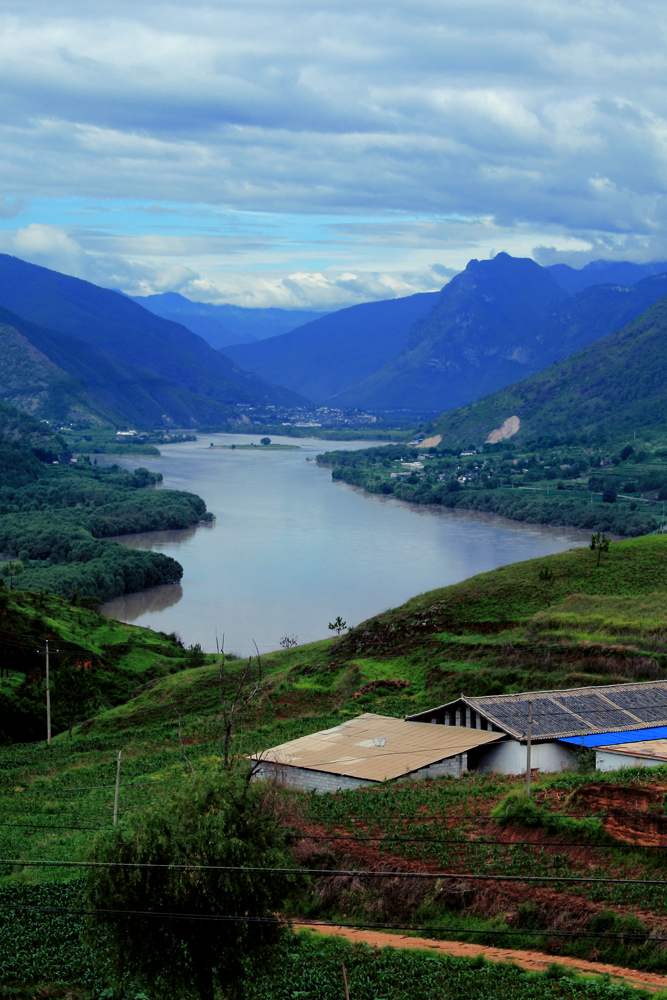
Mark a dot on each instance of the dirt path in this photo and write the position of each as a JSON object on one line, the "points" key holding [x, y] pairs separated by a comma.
{"points": [[535, 961]]}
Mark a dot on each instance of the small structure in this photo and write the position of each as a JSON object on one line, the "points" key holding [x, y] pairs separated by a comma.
{"points": [[561, 721], [644, 753], [368, 750]]}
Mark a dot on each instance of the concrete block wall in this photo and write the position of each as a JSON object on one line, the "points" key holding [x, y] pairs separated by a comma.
{"points": [[307, 780]]}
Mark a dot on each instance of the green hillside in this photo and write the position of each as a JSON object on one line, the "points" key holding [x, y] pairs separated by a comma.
{"points": [[502, 631], [487, 635], [121, 659], [56, 515], [62, 378], [134, 337], [608, 391]]}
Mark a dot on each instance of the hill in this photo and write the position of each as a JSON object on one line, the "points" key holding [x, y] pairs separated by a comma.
{"points": [[614, 387], [331, 354], [224, 325], [131, 335], [64, 379]]}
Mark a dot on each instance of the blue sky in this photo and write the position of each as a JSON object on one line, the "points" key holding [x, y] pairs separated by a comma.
{"points": [[312, 155]]}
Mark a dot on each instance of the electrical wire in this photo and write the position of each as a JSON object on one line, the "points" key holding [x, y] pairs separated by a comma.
{"points": [[46, 826], [473, 843], [338, 873], [286, 922]]}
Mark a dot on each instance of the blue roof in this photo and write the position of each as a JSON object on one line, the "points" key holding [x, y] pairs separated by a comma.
{"points": [[608, 739]]}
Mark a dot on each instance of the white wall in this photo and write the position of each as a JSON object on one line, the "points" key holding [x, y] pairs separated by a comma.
{"points": [[607, 760], [509, 757]]}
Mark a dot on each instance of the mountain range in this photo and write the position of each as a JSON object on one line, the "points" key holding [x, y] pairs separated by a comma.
{"points": [[496, 322], [74, 351], [222, 325], [73, 347], [326, 356]]}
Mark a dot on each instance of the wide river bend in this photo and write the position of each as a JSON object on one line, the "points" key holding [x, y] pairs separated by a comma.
{"points": [[291, 549]]}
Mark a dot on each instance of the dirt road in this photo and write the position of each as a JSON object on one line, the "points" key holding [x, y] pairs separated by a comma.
{"points": [[535, 961]]}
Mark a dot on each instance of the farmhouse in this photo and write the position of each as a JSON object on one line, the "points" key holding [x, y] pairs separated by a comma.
{"points": [[368, 750], [561, 721]]}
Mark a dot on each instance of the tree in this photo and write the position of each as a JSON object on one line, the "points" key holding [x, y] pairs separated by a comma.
{"points": [[599, 544], [12, 569], [221, 821], [265, 441], [609, 495], [75, 690], [338, 625]]}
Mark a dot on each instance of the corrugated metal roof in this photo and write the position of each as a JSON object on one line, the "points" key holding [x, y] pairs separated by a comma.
{"points": [[572, 712], [376, 747], [609, 739], [643, 748]]}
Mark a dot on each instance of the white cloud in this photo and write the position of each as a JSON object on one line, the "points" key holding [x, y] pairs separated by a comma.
{"points": [[462, 127]]}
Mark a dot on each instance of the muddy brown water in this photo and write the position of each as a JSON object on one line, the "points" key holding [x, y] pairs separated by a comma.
{"points": [[291, 549]]}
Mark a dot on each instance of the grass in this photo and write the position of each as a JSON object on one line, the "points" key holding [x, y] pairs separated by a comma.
{"points": [[498, 632]]}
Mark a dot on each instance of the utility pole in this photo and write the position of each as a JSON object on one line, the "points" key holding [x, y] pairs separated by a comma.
{"points": [[529, 733], [45, 653], [115, 801]]}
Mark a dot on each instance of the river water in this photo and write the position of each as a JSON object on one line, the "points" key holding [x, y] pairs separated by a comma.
{"points": [[291, 549]]}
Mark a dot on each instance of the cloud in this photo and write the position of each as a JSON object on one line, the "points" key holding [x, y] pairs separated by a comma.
{"points": [[425, 133], [11, 207], [52, 247], [507, 109]]}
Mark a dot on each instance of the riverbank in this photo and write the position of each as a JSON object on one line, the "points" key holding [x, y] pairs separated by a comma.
{"points": [[290, 551], [570, 487]]}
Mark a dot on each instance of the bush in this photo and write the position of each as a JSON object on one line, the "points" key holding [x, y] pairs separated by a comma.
{"points": [[219, 821]]}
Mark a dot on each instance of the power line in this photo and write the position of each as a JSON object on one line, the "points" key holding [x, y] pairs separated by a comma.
{"points": [[473, 843], [340, 873], [215, 918], [46, 826]]}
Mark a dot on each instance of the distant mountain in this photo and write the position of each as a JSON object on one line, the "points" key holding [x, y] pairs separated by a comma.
{"points": [[330, 354], [589, 315], [603, 272], [474, 340], [57, 377], [223, 325], [495, 323], [613, 387], [131, 335]]}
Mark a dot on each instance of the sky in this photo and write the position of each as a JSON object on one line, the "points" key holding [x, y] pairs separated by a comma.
{"points": [[312, 155]]}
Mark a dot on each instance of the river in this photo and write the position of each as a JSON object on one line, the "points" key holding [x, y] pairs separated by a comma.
{"points": [[291, 549]]}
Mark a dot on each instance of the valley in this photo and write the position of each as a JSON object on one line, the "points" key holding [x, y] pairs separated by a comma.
{"points": [[522, 411]]}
